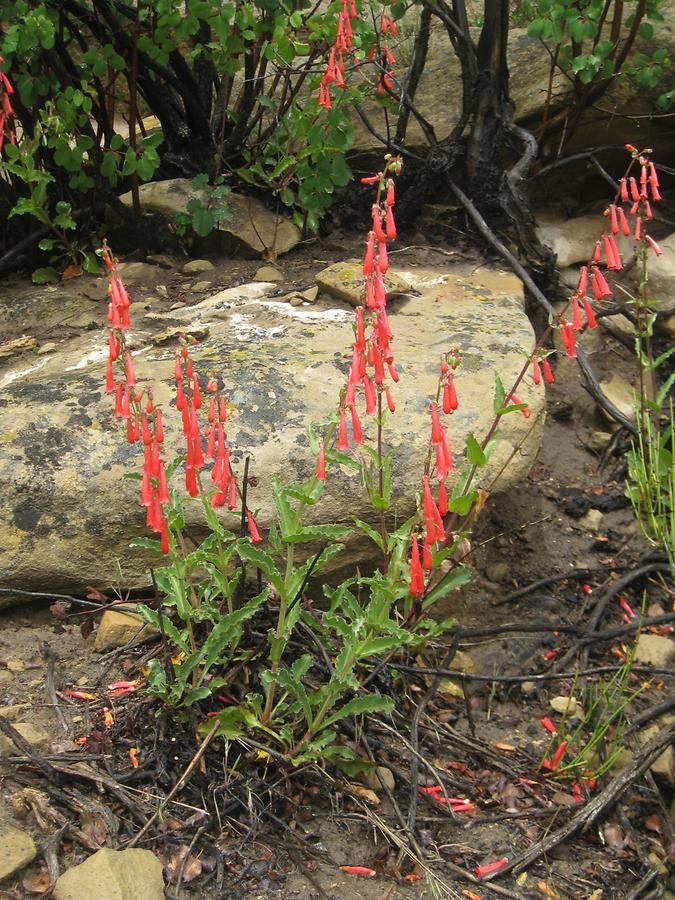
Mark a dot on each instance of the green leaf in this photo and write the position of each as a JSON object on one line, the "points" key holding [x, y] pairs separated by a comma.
{"points": [[462, 505], [500, 395], [262, 561], [370, 531], [454, 579], [474, 452], [145, 543], [371, 703], [45, 275]]}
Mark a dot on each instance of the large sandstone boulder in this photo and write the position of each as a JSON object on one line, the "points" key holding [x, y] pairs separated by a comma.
{"points": [[248, 226], [66, 512], [439, 93]]}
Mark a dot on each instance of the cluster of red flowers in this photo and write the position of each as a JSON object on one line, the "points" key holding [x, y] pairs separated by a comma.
{"points": [[144, 421], [6, 110], [385, 83], [372, 356], [434, 510], [335, 67], [638, 194]]}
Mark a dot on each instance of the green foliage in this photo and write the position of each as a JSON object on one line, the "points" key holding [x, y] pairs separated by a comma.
{"points": [[587, 43]]}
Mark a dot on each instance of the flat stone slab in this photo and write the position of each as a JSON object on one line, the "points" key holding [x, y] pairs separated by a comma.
{"points": [[66, 512], [17, 849], [113, 875]]}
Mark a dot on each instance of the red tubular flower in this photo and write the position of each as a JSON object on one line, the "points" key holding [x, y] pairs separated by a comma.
{"points": [[652, 243], [254, 534], [581, 287], [377, 223], [196, 393], [589, 314], [130, 431], [357, 433], [147, 434], [370, 254], [390, 224], [488, 868], [623, 223], [113, 347], [548, 725], [416, 572], [109, 378], [600, 286], [232, 493], [546, 368], [371, 396], [321, 465], [634, 192], [427, 558], [558, 755], [638, 229], [383, 260], [131, 377], [159, 428], [436, 433], [164, 536], [577, 324], [526, 409], [597, 252], [163, 486], [450, 403], [536, 370], [442, 499], [390, 402], [210, 451], [613, 219], [390, 192], [569, 340], [624, 190], [342, 442], [191, 481]]}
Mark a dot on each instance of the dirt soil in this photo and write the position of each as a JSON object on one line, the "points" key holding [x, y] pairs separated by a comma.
{"points": [[541, 529]]}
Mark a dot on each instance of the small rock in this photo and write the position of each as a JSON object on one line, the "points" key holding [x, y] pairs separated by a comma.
{"points": [[655, 650], [310, 294], [96, 289], [268, 273], [118, 628], [297, 300], [527, 687], [622, 761], [15, 665], [619, 325], [498, 571], [598, 440], [621, 393], [47, 347], [136, 271], [592, 520], [462, 662], [568, 706], [17, 849], [113, 875], [17, 345], [371, 780], [197, 266], [664, 765], [345, 280], [36, 737], [201, 285]]}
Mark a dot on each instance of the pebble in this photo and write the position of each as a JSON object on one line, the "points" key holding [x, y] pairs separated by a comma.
{"points": [[498, 571], [201, 285], [371, 780], [598, 440], [47, 347], [197, 266], [15, 665], [592, 520], [269, 273], [655, 650], [568, 706]]}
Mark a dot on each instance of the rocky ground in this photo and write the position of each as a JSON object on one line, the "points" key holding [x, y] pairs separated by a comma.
{"points": [[568, 517]]}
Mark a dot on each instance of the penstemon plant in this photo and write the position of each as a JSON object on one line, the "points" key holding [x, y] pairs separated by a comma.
{"points": [[208, 605]]}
